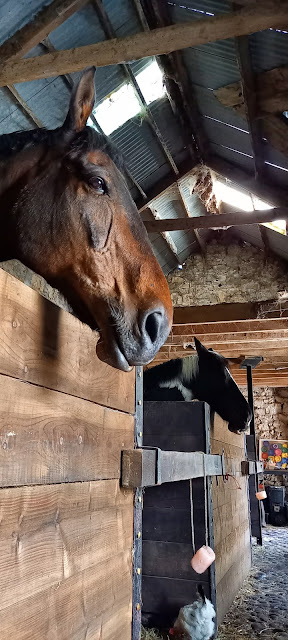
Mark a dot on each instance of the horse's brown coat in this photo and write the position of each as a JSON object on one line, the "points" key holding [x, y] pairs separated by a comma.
{"points": [[66, 212]]}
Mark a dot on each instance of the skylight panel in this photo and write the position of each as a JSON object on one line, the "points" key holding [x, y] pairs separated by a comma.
{"points": [[123, 104], [150, 81], [246, 202], [120, 106]]}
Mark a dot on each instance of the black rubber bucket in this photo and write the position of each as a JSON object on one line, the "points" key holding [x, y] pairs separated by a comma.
{"points": [[276, 495]]}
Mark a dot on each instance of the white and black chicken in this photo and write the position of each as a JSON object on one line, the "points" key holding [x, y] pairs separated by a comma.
{"points": [[196, 621]]}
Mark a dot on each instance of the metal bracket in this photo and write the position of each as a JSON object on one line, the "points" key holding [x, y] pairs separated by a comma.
{"points": [[251, 467]]}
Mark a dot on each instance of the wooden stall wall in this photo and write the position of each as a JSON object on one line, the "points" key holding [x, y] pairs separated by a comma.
{"points": [[66, 527], [231, 518]]}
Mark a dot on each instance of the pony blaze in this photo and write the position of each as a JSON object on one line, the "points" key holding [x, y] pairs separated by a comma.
{"points": [[67, 213]]}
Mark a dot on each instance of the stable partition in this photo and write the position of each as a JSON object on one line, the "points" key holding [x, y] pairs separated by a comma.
{"points": [[219, 516], [232, 536], [66, 526]]}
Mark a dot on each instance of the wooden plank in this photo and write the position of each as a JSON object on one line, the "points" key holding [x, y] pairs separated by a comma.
{"points": [[161, 41], [48, 19], [208, 329], [229, 338], [235, 351], [47, 436], [29, 508], [216, 221], [228, 549], [157, 592], [231, 583], [66, 561], [227, 312], [95, 603], [167, 559], [49, 347], [230, 516], [220, 432], [150, 467]]}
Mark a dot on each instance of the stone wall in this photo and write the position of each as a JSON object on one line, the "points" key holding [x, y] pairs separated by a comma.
{"points": [[232, 273], [33, 280], [271, 412]]}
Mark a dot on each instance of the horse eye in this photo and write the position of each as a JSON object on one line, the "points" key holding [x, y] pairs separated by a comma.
{"points": [[99, 185]]}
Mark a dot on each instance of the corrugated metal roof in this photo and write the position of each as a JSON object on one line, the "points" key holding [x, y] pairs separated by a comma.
{"points": [[209, 67], [269, 49]]}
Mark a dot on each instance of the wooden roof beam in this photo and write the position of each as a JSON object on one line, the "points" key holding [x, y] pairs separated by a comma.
{"points": [[129, 76], [227, 312], [176, 80], [248, 83], [236, 218], [48, 19], [200, 242], [257, 17]]}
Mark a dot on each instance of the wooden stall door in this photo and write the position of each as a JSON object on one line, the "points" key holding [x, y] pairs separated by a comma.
{"points": [[66, 526], [231, 518], [168, 581]]}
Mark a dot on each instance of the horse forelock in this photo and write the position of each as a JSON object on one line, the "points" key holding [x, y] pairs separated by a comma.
{"points": [[80, 142]]}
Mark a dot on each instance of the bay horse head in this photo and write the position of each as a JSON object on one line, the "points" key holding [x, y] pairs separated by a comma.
{"points": [[66, 213]]}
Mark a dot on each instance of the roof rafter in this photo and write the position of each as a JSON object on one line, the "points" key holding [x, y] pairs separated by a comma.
{"points": [[128, 74], [176, 80], [257, 17], [48, 19], [237, 218]]}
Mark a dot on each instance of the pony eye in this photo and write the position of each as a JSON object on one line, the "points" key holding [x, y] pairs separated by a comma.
{"points": [[99, 185]]}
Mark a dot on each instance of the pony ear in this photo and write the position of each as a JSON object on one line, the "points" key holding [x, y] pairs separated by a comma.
{"points": [[81, 102], [200, 347]]}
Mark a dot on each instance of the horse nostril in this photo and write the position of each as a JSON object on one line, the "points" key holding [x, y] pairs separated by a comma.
{"points": [[152, 325]]}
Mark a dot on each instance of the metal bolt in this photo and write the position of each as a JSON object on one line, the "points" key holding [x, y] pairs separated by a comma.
{"points": [[139, 534], [137, 606], [140, 434], [80, 439], [140, 499], [139, 402], [14, 324], [139, 374], [138, 571]]}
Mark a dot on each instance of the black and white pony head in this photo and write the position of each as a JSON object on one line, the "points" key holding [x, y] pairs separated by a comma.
{"points": [[205, 377]]}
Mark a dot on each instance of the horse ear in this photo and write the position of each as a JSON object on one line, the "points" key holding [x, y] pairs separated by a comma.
{"points": [[81, 102], [199, 347]]}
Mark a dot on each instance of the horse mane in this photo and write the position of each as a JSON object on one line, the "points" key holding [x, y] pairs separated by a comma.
{"points": [[86, 140]]}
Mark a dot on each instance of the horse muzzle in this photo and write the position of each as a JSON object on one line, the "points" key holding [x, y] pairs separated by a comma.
{"points": [[124, 347]]}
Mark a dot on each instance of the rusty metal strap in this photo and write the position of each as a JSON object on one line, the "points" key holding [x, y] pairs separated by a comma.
{"points": [[149, 467]]}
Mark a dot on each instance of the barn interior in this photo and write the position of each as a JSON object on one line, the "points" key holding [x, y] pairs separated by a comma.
{"points": [[199, 110]]}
